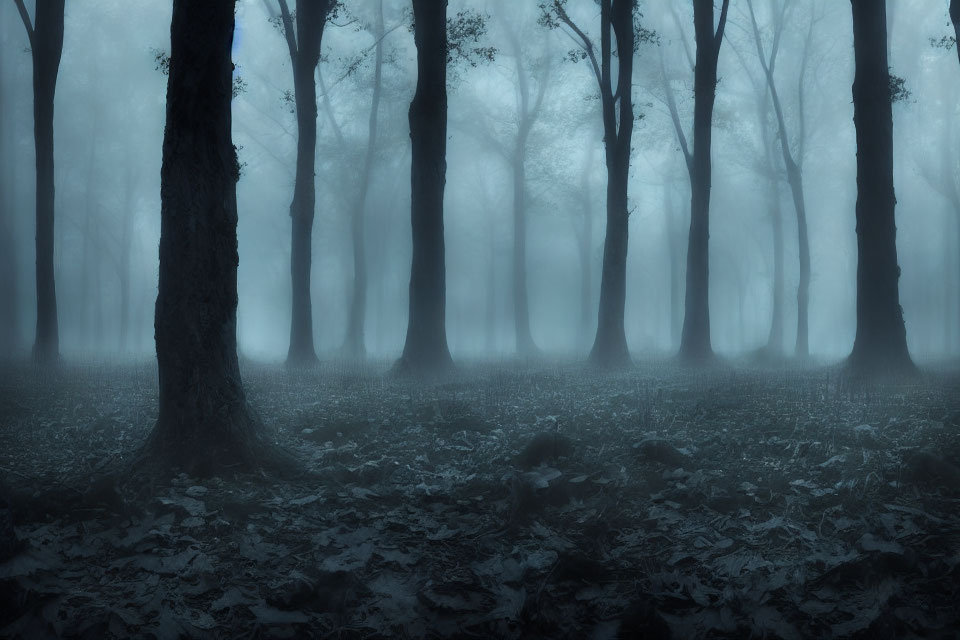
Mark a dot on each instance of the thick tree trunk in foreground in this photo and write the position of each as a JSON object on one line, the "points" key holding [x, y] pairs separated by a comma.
{"points": [[610, 345], [204, 422], [355, 343], [695, 346], [425, 349], [304, 50], [46, 43], [881, 341]]}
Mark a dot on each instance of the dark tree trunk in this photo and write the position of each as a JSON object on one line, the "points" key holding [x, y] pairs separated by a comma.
{"points": [[610, 345], [881, 341], [425, 349], [525, 345], [955, 18], [46, 42], [204, 422], [775, 338], [676, 267], [795, 179], [585, 252], [355, 344], [9, 326], [695, 344], [304, 51]]}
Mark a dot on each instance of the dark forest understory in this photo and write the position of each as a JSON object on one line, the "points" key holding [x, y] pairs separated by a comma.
{"points": [[533, 502]]}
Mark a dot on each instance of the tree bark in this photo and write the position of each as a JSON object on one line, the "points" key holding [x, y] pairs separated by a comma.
{"points": [[204, 424], [695, 346], [46, 42], [880, 346], [585, 251], [9, 309], [676, 267], [525, 345], [610, 345], [425, 349], [304, 56], [355, 345], [955, 18]]}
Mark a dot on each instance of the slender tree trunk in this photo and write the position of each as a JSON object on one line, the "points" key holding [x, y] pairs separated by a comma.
{"points": [[676, 311], [425, 349], [610, 345], [795, 179], [955, 18], [775, 338], [695, 344], [881, 341], [46, 40], [491, 306], [9, 301], [304, 56], [585, 252], [525, 345], [205, 424], [355, 341]]}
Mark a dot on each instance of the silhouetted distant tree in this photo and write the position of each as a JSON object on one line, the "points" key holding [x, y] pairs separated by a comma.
{"points": [[9, 307], [881, 341], [303, 33], [355, 343], [46, 44], [695, 343], [204, 422], [792, 158], [610, 344]]}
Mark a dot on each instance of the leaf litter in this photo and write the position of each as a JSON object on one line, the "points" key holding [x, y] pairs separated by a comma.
{"points": [[527, 502]]}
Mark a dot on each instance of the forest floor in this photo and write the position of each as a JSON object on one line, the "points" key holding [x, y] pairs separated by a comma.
{"points": [[516, 502]]}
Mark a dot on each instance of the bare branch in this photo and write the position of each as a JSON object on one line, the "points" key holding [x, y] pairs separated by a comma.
{"points": [[288, 30], [26, 21], [675, 114], [718, 37]]}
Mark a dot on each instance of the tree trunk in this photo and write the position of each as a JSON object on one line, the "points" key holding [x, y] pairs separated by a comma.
{"points": [[525, 345], [9, 328], [47, 43], [881, 340], [676, 313], [695, 344], [304, 57], [204, 423], [795, 179], [123, 266], [425, 349], [955, 18], [491, 306], [775, 338], [354, 344], [610, 345], [585, 252]]}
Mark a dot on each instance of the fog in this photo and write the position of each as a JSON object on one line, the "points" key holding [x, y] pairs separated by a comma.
{"points": [[109, 119]]}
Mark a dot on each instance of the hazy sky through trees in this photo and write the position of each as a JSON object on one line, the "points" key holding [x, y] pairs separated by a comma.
{"points": [[109, 127]]}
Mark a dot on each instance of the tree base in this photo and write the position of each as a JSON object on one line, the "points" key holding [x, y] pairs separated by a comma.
{"points": [[302, 360], [235, 445], [883, 365], [423, 367]]}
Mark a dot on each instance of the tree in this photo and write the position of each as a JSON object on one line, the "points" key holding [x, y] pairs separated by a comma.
{"points": [[695, 344], [610, 344], [880, 346], [792, 160], [354, 343], [8, 262], [425, 349], [45, 35], [955, 18], [204, 422], [528, 110], [303, 43]]}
